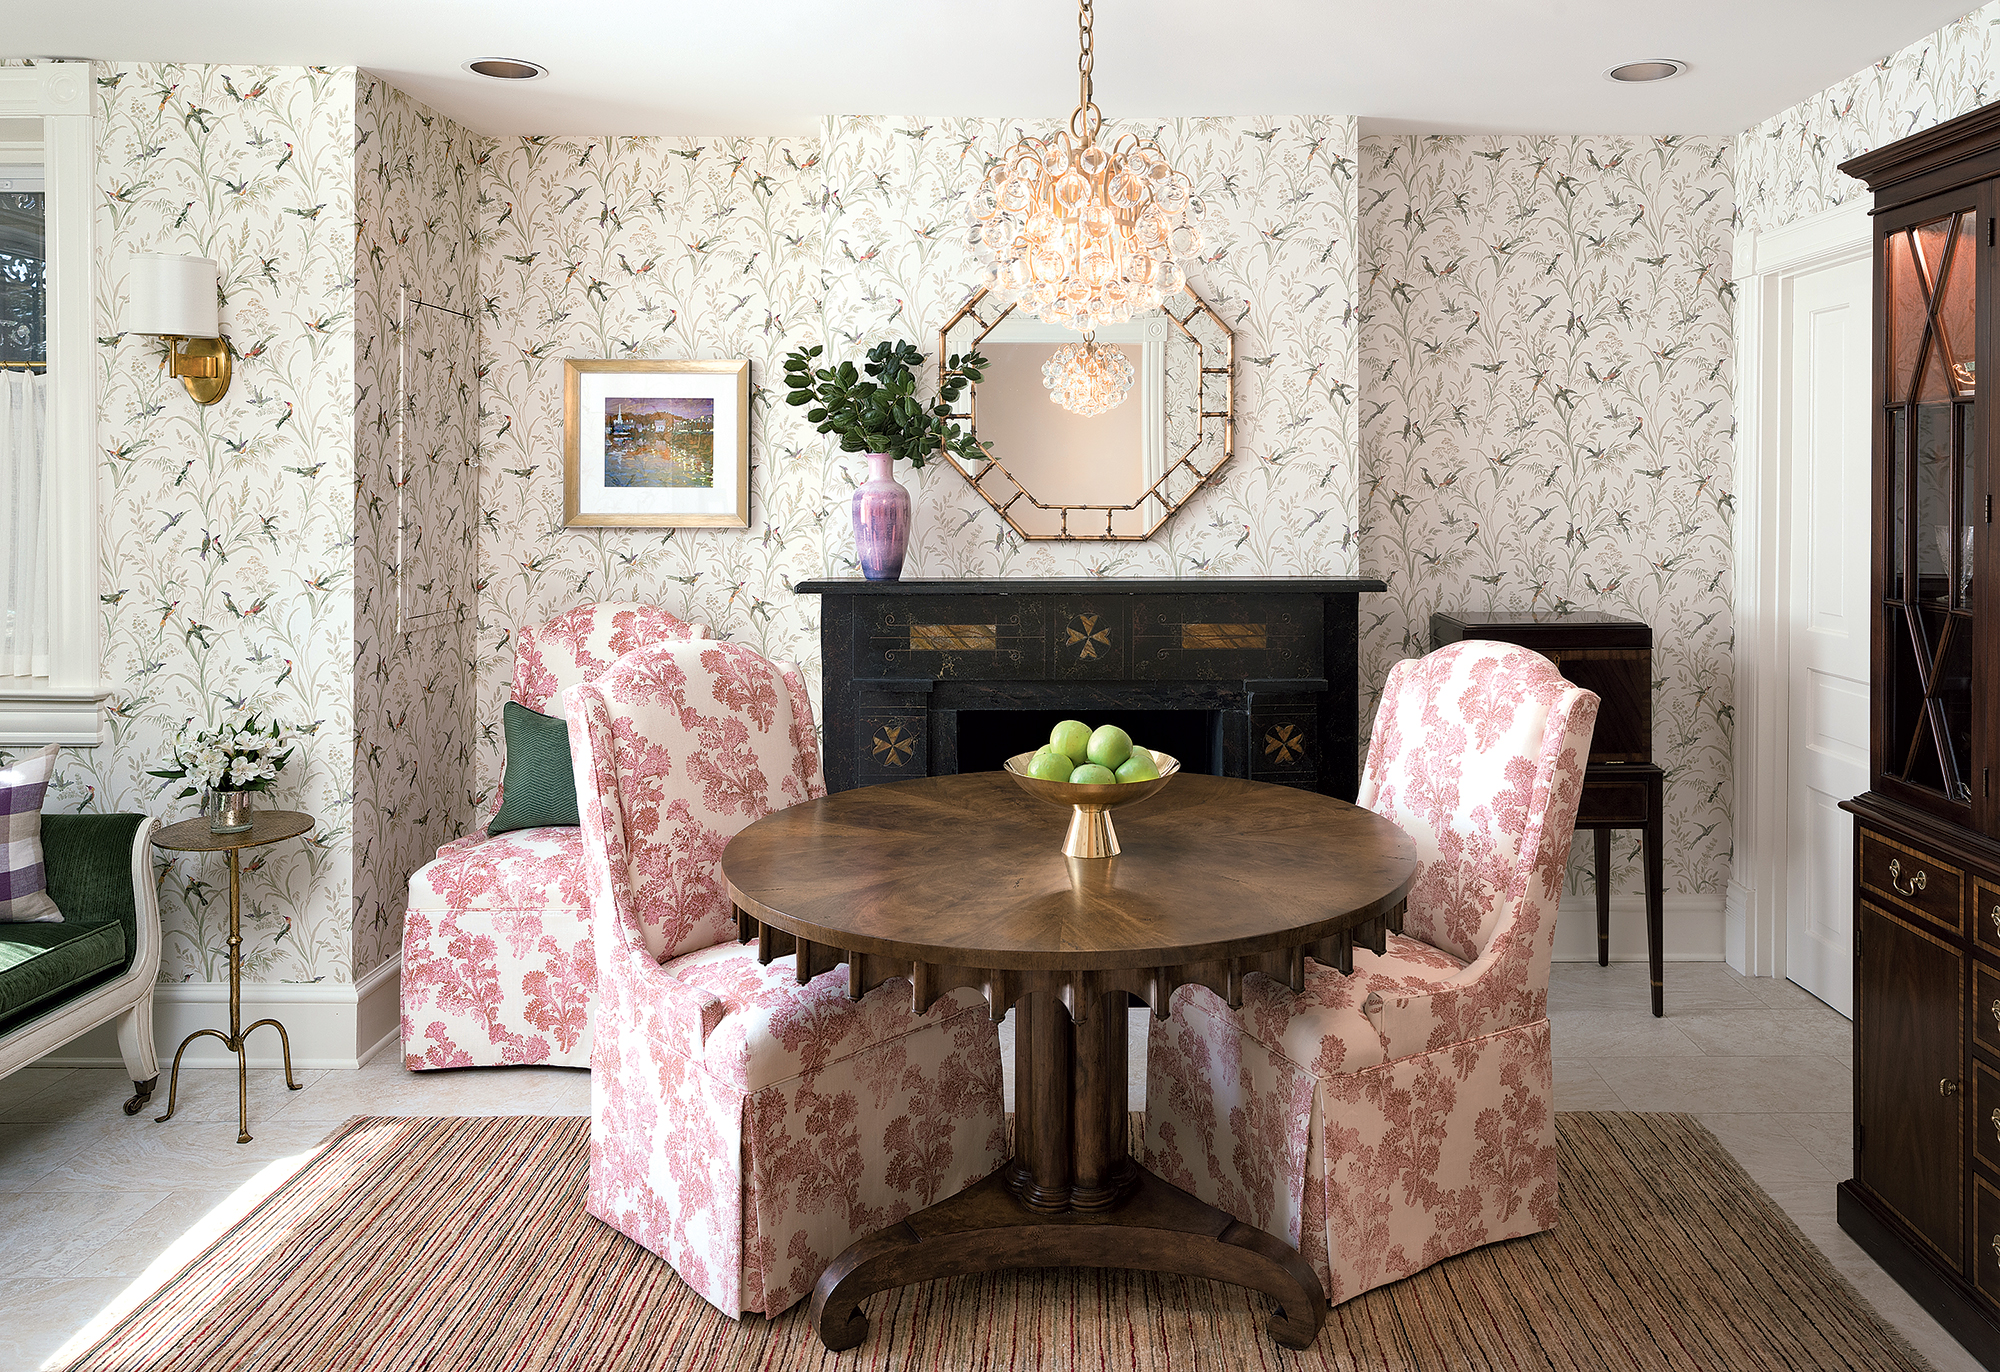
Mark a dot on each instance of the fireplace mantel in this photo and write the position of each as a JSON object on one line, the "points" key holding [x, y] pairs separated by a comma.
{"points": [[1250, 677], [1094, 585]]}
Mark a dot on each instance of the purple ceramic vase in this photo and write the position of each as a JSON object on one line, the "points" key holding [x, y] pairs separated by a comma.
{"points": [[881, 521]]}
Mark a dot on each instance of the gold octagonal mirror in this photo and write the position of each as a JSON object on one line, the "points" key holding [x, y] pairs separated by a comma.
{"points": [[1119, 475]]}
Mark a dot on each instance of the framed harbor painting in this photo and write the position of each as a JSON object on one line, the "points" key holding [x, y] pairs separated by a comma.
{"points": [[648, 444]]}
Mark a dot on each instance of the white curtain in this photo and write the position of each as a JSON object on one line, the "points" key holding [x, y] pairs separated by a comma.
{"points": [[24, 587]]}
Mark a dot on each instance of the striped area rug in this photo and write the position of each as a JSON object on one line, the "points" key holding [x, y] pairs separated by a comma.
{"points": [[447, 1244]]}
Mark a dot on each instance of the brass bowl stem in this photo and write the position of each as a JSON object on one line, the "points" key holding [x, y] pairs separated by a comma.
{"points": [[1090, 833]]}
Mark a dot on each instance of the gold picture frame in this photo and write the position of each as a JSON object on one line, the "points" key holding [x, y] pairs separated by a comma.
{"points": [[653, 443]]}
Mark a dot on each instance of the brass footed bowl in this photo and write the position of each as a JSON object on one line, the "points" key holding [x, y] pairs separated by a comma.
{"points": [[1090, 832]]}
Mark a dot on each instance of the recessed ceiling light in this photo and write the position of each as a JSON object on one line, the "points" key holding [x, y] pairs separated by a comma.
{"points": [[507, 69], [1658, 69]]}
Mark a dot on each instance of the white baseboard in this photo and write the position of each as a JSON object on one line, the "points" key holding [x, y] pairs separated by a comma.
{"points": [[1736, 927], [329, 1025], [1691, 929], [378, 1015]]}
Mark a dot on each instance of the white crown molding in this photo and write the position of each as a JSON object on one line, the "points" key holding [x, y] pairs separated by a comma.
{"points": [[47, 88], [33, 713], [1835, 235]]}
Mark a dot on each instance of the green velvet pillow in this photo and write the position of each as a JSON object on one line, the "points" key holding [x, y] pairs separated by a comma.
{"points": [[540, 785]]}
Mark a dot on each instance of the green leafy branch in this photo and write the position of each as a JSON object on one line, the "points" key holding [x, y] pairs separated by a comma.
{"points": [[882, 413]]}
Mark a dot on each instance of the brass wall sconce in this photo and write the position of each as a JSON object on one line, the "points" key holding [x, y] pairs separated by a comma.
{"points": [[174, 298]]}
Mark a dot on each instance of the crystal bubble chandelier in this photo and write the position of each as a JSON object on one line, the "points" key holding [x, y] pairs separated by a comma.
{"points": [[1087, 379], [1081, 235]]}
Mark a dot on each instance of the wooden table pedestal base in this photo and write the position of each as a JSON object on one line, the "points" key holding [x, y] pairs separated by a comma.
{"points": [[1070, 1197], [1159, 1228]]}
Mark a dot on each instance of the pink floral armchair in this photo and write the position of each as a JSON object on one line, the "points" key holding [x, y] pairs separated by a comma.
{"points": [[743, 1127], [1387, 1120], [497, 961]]}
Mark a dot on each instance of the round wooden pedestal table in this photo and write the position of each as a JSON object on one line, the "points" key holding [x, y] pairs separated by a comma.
{"points": [[961, 881]]}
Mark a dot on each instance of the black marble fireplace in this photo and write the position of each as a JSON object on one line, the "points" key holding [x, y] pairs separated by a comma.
{"points": [[1242, 678]]}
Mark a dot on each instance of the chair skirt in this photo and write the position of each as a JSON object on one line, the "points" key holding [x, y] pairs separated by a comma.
{"points": [[1375, 1173], [498, 965], [750, 1149]]}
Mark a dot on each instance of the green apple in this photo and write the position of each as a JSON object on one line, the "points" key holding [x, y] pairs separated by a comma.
{"points": [[1138, 767], [1071, 738], [1050, 765], [1109, 746], [1090, 774]]}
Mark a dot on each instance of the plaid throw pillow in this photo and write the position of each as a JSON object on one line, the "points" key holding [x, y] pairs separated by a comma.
{"points": [[24, 882]]}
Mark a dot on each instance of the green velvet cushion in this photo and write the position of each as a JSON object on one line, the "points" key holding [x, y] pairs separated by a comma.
{"points": [[540, 786], [43, 964], [89, 861], [89, 858]]}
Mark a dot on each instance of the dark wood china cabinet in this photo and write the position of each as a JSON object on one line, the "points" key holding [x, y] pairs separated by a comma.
{"points": [[1925, 1196]]}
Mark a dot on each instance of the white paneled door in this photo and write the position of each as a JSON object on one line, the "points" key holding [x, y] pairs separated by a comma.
{"points": [[1826, 412]]}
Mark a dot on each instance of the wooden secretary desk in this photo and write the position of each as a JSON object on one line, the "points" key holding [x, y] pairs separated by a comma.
{"points": [[1623, 788], [1925, 1196]]}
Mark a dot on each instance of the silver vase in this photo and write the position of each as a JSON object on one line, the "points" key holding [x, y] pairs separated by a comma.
{"points": [[229, 811]]}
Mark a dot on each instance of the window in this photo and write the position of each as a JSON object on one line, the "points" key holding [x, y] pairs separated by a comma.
{"points": [[24, 341], [51, 689]]}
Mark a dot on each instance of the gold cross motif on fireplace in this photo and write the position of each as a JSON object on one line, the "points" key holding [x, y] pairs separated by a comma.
{"points": [[1285, 743], [892, 746], [1090, 636]]}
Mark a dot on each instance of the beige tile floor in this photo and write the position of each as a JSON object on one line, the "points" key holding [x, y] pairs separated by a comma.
{"points": [[96, 1208]]}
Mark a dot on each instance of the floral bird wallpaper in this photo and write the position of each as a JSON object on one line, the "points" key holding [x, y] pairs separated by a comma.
{"points": [[614, 247], [1277, 264], [1787, 167], [415, 496], [593, 247], [1546, 420], [227, 570], [640, 247], [249, 549]]}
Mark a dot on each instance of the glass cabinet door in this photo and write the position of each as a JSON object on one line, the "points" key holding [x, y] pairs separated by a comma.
{"points": [[1930, 311]]}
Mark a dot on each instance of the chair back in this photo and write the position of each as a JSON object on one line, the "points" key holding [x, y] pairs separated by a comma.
{"points": [[580, 644], [1478, 755], [677, 747]]}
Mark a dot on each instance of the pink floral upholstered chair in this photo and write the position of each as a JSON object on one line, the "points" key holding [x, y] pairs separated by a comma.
{"points": [[743, 1127], [1386, 1120], [497, 961]]}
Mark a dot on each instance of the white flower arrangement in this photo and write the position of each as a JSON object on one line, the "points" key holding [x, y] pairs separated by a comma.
{"points": [[240, 754]]}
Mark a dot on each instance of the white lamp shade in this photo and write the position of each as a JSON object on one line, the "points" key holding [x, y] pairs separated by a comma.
{"points": [[172, 296]]}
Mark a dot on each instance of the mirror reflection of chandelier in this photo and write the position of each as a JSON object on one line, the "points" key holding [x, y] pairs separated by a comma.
{"points": [[1087, 379], [1081, 235]]}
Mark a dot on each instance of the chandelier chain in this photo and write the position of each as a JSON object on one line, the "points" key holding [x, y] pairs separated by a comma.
{"points": [[1086, 54]]}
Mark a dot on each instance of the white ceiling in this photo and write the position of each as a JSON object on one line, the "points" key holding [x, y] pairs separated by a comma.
{"points": [[772, 66]]}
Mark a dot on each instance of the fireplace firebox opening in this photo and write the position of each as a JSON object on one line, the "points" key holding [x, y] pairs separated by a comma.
{"points": [[987, 738]]}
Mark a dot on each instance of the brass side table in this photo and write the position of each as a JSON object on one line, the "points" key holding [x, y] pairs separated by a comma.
{"points": [[194, 836]]}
